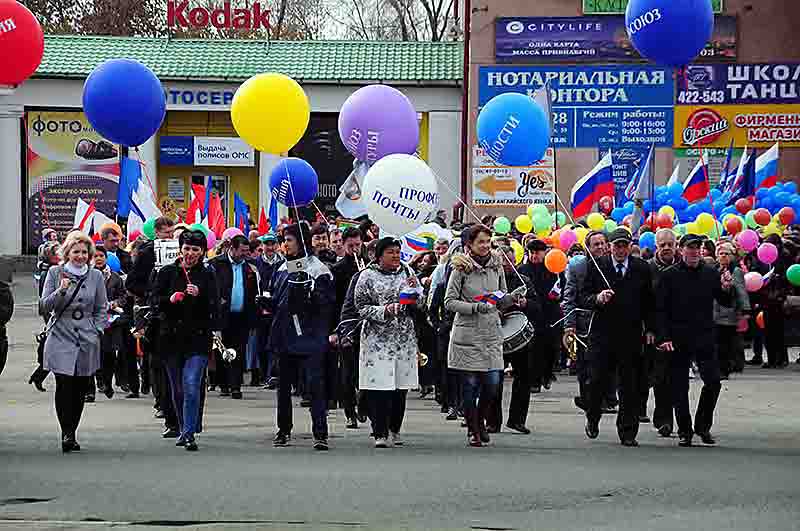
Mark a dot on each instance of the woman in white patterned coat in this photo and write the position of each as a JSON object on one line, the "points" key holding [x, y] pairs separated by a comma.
{"points": [[388, 356]]}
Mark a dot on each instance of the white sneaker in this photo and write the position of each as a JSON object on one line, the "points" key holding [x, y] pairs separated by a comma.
{"points": [[396, 440], [381, 442]]}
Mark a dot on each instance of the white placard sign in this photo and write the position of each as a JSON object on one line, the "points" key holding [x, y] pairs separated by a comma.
{"points": [[222, 151], [166, 252]]}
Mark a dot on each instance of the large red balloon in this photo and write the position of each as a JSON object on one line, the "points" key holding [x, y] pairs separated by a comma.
{"points": [[743, 205], [606, 204], [733, 225], [762, 217], [663, 221], [21, 43], [786, 215]]}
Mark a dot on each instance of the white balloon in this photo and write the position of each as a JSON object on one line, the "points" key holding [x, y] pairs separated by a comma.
{"points": [[400, 194]]}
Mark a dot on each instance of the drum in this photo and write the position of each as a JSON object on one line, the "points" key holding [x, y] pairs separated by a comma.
{"points": [[517, 332]]}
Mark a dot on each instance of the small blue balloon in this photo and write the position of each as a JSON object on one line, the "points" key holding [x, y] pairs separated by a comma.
{"points": [[661, 190], [618, 214], [767, 202], [715, 194], [682, 215], [675, 190], [647, 241], [628, 207], [790, 187], [648, 206], [513, 130], [782, 199], [761, 193], [113, 263], [293, 182], [124, 101], [669, 32]]}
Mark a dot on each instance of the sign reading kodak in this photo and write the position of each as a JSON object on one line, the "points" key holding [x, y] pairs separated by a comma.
{"points": [[748, 125], [179, 14]]}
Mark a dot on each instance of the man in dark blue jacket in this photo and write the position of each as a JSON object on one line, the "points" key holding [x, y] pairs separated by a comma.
{"points": [[303, 299]]}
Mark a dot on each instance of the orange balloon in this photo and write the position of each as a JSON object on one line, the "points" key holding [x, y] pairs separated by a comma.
{"points": [[555, 238], [555, 261], [760, 320]]}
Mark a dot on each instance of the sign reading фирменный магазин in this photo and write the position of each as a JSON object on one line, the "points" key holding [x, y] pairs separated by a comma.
{"points": [[598, 105]]}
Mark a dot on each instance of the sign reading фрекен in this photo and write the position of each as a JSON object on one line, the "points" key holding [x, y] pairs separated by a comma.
{"points": [[601, 105], [205, 151]]}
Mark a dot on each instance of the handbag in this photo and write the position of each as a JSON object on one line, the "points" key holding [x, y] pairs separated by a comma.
{"points": [[42, 336]]}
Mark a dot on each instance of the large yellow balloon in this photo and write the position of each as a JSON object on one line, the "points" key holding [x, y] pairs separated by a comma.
{"points": [[581, 233], [595, 221], [705, 222], [668, 210], [523, 223], [270, 112], [519, 251], [692, 228]]}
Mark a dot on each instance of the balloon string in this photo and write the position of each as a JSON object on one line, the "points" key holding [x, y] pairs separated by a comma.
{"points": [[319, 211], [143, 164], [458, 197]]}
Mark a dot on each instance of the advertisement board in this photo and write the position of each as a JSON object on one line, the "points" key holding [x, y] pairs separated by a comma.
{"points": [[589, 39], [66, 161], [496, 185], [748, 125], [205, 151], [601, 7], [739, 84], [598, 105]]}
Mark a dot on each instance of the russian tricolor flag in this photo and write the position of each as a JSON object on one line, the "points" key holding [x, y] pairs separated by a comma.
{"points": [[630, 190], [767, 168], [591, 187], [695, 187], [491, 298], [419, 244]]}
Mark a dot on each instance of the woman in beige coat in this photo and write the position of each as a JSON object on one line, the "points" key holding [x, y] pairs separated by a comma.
{"points": [[476, 341]]}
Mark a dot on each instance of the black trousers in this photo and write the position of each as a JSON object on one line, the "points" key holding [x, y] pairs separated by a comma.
{"points": [[548, 350], [290, 367], [728, 344], [450, 379], [625, 360], [520, 390], [387, 411], [69, 398], [162, 393], [774, 335], [230, 374], [348, 380], [661, 380], [132, 363], [708, 365]]}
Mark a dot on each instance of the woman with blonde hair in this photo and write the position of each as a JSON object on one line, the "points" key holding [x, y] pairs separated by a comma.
{"points": [[74, 296]]}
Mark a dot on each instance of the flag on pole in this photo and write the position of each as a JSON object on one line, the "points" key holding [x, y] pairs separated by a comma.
{"points": [[727, 168], [241, 217], [591, 187], [197, 204], [645, 185], [633, 184], [696, 187], [767, 168], [84, 212], [745, 184], [736, 180], [676, 175], [216, 216], [263, 222]]}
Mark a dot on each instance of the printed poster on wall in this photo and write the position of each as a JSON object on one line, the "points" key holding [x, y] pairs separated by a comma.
{"points": [[497, 185], [66, 161], [589, 40], [624, 163]]}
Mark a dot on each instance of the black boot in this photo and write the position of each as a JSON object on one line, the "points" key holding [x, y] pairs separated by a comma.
{"points": [[473, 429], [484, 408], [37, 378]]}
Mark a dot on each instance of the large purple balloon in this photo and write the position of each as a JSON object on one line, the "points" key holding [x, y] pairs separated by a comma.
{"points": [[376, 121]]}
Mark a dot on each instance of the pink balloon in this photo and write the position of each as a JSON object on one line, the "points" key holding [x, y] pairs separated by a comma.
{"points": [[753, 281], [767, 253], [211, 238], [568, 239], [230, 232], [748, 239]]}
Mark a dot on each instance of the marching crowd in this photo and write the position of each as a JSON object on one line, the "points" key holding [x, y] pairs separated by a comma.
{"points": [[334, 316]]}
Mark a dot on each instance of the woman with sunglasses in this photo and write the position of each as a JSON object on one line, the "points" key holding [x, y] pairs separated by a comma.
{"points": [[186, 295]]}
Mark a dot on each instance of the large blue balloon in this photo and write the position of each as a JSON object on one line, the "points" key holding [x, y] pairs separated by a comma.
{"points": [[293, 182], [669, 32], [113, 263], [513, 130], [124, 101]]}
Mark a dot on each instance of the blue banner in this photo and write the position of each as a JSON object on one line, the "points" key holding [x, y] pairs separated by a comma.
{"points": [[624, 163], [176, 150], [603, 105]]}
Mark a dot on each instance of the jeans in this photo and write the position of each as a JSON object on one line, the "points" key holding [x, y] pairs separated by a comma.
{"points": [[476, 385], [387, 410], [69, 397], [185, 380], [290, 367]]}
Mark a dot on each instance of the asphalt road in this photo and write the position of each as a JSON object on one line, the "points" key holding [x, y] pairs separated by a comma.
{"points": [[127, 477]]}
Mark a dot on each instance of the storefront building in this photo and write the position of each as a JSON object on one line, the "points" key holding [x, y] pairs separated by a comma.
{"points": [[51, 159], [605, 97]]}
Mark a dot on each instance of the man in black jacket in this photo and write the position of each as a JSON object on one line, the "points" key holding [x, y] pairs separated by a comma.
{"points": [[111, 239], [686, 330], [343, 272], [238, 284], [620, 292]]}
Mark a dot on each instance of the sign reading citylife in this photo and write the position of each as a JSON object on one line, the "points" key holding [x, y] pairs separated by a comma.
{"points": [[496, 185], [181, 15], [606, 7], [599, 105], [205, 151], [754, 105], [589, 39]]}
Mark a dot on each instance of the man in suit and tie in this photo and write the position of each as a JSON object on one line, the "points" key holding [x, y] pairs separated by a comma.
{"points": [[619, 290]]}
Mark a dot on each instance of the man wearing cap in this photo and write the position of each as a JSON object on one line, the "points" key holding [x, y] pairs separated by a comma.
{"points": [[619, 290], [685, 316]]}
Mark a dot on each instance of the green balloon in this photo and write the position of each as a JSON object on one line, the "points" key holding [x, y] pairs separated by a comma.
{"points": [[679, 229], [749, 218], [610, 225], [199, 226], [561, 219], [502, 225], [542, 221], [793, 274], [149, 229], [540, 209]]}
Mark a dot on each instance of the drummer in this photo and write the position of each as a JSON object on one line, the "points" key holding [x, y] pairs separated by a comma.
{"points": [[526, 309]]}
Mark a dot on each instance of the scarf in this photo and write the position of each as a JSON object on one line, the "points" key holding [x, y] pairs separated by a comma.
{"points": [[481, 260], [75, 270]]}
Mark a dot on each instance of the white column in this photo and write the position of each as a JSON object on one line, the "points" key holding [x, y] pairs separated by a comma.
{"points": [[11, 218], [444, 154], [266, 163]]}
